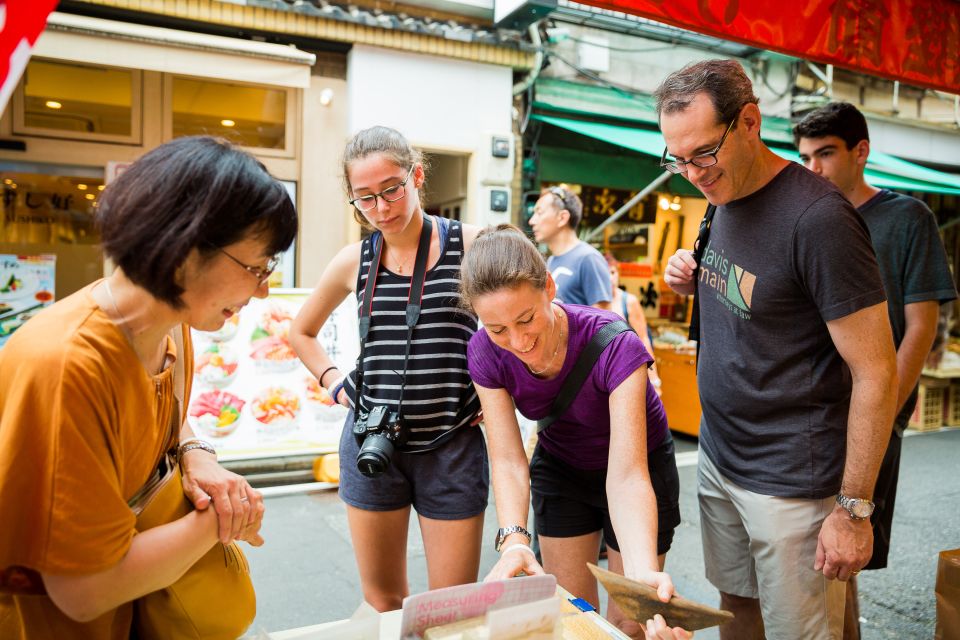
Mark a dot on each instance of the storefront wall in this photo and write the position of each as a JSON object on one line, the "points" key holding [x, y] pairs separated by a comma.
{"points": [[58, 160], [442, 106]]}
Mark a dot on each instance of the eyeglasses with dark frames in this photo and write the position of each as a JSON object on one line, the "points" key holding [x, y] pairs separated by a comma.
{"points": [[261, 274], [702, 160], [390, 194]]}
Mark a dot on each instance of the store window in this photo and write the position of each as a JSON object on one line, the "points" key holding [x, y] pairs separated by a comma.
{"points": [[52, 214], [247, 115], [84, 102]]}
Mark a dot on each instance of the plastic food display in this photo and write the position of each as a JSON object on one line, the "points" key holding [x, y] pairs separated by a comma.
{"points": [[276, 409], [280, 408], [216, 365], [216, 413]]}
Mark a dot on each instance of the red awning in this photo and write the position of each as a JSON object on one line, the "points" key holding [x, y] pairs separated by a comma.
{"points": [[914, 41], [21, 22]]}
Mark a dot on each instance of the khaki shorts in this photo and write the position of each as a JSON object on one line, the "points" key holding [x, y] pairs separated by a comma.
{"points": [[757, 546]]}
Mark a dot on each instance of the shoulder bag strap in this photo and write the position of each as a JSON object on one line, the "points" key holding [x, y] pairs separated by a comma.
{"points": [[581, 369], [703, 239]]}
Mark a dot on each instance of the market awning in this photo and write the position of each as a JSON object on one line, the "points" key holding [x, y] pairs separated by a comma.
{"points": [[879, 174], [914, 41], [21, 23], [882, 170]]}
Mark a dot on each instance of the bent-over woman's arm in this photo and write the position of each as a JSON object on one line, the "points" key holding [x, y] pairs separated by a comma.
{"points": [[632, 503], [510, 476]]}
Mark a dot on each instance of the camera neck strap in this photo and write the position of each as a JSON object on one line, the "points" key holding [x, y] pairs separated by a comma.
{"points": [[414, 300]]}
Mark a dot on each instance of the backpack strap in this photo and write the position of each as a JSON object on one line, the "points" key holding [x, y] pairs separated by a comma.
{"points": [[703, 239], [581, 369]]}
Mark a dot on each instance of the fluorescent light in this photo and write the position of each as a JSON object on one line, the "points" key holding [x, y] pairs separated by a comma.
{"points": [[53, 104], [227, 122], [82, 187]]}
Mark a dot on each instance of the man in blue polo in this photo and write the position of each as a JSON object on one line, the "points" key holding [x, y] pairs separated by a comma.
{"points": [[578, 269]]}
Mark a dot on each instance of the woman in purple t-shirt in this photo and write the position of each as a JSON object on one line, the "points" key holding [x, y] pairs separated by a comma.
{"points": [[612, 441]]}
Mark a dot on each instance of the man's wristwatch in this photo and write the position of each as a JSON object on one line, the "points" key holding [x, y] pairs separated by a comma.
{"points": [[502, 533], [858, 508]]}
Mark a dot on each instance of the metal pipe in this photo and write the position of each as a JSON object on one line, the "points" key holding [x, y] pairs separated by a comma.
{"points": [[830, 81], [525, 84], [896, 96], [666, 175]]}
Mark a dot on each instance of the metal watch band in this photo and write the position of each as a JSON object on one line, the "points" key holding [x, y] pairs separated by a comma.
{"points": [[506, 531], [190, 445]]}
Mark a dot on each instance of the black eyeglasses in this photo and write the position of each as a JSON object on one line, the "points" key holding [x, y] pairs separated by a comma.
{"points": [[262, 275], [390, 194], [702, 160]]}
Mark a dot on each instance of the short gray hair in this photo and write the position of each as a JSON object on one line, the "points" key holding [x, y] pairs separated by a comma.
{"points": [[724, 82]]}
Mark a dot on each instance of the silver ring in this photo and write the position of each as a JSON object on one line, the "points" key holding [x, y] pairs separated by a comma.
{"points": [[244, 499]]}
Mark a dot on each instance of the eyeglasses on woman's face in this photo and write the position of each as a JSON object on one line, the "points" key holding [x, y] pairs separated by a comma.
{"points": [[262, 274], [390, 194]]}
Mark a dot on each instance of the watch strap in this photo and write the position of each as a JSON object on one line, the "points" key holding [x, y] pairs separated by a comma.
{"points": [[506, 531]]}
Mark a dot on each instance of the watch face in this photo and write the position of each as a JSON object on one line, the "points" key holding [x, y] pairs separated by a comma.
{"points": [[861, 508]]}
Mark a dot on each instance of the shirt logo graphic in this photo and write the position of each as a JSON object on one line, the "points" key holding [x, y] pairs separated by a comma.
{"points": [[733, 284]]}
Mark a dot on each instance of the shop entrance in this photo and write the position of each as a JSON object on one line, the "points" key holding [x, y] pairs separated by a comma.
{"points": [[446, 192]]}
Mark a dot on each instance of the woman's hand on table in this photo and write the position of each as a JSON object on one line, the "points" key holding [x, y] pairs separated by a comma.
{"points": [[657, 629], [239, 506], [513, 562]]}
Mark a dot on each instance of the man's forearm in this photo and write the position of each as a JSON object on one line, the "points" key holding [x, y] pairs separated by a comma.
{"points": [[921, 331], [872, 410]]}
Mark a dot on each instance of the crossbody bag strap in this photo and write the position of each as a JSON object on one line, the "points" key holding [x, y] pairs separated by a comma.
{"points": [[581, 369], [164, 465], [703, 239]]}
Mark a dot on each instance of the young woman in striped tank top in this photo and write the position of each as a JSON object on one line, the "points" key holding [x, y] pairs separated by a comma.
{"points": [[441, 469]]}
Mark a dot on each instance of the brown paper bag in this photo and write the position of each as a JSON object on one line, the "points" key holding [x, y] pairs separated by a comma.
{"points": [[948, 596]]}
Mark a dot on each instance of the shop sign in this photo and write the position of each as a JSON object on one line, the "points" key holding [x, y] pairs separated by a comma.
{"points": [[599, 203], [26, 286], [915, 41]]}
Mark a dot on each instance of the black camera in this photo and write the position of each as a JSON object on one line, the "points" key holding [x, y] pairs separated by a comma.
{"points": [[378, 433]]}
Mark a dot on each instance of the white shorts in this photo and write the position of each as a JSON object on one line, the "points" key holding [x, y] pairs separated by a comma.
{"points": [[757, 546]]}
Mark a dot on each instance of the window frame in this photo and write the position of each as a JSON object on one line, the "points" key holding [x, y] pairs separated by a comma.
{"points": [[289, 149], [19, 126]]}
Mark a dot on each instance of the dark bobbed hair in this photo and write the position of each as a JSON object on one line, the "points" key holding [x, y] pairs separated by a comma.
{"points": [[501, 257], [569, 201], [196, 192], [840, 119], [724, 81]]}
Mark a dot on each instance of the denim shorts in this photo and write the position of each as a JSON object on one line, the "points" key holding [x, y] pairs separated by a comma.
{"points": [[450, 482], [572, 502]]}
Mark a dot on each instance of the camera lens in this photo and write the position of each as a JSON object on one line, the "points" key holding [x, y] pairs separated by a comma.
{"points": [[374, 456]]}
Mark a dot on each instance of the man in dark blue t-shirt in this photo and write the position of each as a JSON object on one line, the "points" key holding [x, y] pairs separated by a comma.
{"points": [[834, 142], [796, 371]]}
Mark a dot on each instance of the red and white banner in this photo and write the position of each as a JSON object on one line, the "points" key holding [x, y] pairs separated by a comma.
{"points": [[21, 23], [914, 41]]}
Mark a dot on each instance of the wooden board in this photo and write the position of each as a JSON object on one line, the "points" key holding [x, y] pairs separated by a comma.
{"points": [[640, 603]]}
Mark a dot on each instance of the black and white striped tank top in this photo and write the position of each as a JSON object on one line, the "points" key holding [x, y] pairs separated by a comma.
{"points": [[439, 395]]}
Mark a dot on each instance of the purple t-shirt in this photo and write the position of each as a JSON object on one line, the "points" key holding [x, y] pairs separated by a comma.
{"points": [[581, 436]]}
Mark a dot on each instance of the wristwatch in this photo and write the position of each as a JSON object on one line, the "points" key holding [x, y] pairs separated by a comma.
{"points": [[858, 508], [503, 532]]}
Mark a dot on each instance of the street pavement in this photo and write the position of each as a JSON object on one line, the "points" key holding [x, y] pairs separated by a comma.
{"points": [[306, 574]]}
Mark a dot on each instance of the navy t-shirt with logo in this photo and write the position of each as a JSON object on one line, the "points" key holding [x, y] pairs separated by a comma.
{"points": [[779, 265]]}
